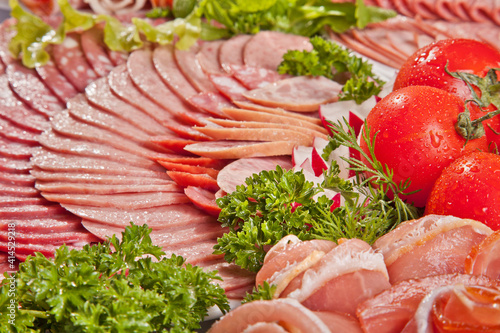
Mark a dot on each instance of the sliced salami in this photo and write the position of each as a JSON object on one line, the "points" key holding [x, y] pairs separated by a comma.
{"points": [[65, 223], [56, 81], [71, 61], [95, 51]]}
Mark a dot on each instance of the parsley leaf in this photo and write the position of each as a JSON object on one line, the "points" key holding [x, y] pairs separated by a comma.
{"points": [[330, 60], [114, 286]]}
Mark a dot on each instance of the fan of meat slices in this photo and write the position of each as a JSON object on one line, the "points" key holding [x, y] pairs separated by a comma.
{"points": [[96, 138]]}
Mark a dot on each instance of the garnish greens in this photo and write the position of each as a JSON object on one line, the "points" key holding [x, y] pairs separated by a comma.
{"points": [[276, 203], [109, 287], [263, 291], [302, 17], [336, 63]]}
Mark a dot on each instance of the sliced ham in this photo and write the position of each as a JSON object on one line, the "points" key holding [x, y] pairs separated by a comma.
{"points": [[14, 133], [430, 245], [266, 48], [15, 165], [231, 52], [30, 89], [310, 116], [210, 102], [256, 77], [70, 60], [63, 223], [15, 150], [287, 312], [56, 81], [142, 72], [157, 218], [229, 87], [30, 211], [189, 65], [203, 199], [99, 93], [17, 179], [96, 52], [171, 166], [20, 191], [235, 173], [239, 149], [390, 310], [185, 179], [484, 258], [208, 56], [299, 93], [170, 73], [71, 188]]}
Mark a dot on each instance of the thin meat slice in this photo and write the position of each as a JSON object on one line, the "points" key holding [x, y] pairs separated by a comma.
{"points": [[173, 144], [122, 85], [288, 312], [30, 211], [56, 81], [299, 93], [196, 161], [55, 239], [266, 48], [253, 115], [253, 77], [15, 165], [100, 94], [229, 87], [171, 166], [157, 218], [239, 149], [257, 134], [60, 162], [170, 73], [235, 173], [430, 245], [67, 145], [18, 190], [48, 250], [310, 116], [13, 200], [183, 132], [189, 65], [203, 199], [195, 253], [128, 201], [185, 179], [484, 258], [60, 223], [208, 56], [390, 310], [143, 74], [70, 60], [12, 109], [351, 271], [103, 189], [15, 150], [174, 236], [95, 178], [231, 52], [210, 102], [14, 133], [95, 51], [17, 179], [28, 87]]}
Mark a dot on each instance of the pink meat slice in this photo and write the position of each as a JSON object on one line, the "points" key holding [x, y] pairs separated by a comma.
{"points": [[14, 133], [189, 65], [235, 173], [286, 311], [266, 49], [100, 95], [12, 109], [17, 179], [30, 211], [254, 77], [170, 73], [212, 103], [18, 190], [143, 74], [59, 238], [240, 149], [96, 52], [13, 200], [196, 253], [63, 223], [56, 81], [423, 8], [95, 178], [68, 145], [430, 245], [208, 56], [156, 217], [103, 189], [231, 52], [390, 310], [229, 87], [299, 93], [484, 258], [71, 61], [15, 150], [136, 200], [30, 89], [60, 162], [122, 85], [174, 236], [25, 249], [203, 199]]}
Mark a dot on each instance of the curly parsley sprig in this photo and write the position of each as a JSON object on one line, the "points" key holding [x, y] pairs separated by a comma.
{"points": [[276, 203], [114, 286]]}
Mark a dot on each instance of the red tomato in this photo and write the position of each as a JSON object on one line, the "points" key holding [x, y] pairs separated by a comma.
{"points": [[427, 67], [416, 136], [469, 188]]}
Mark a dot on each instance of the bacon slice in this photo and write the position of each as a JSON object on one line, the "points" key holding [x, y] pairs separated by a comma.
{"points": [[430, 245]]}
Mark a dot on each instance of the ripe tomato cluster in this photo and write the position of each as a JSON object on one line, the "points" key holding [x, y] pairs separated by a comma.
{"points": [[429, 130]]}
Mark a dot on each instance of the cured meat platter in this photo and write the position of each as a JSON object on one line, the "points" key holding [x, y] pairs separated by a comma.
{"points": [[94, 137]]}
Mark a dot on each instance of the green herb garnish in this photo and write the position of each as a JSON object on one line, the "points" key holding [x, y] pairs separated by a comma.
{"points": [[333, 61], [264, 291], [277, 203], [109, 287]]}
